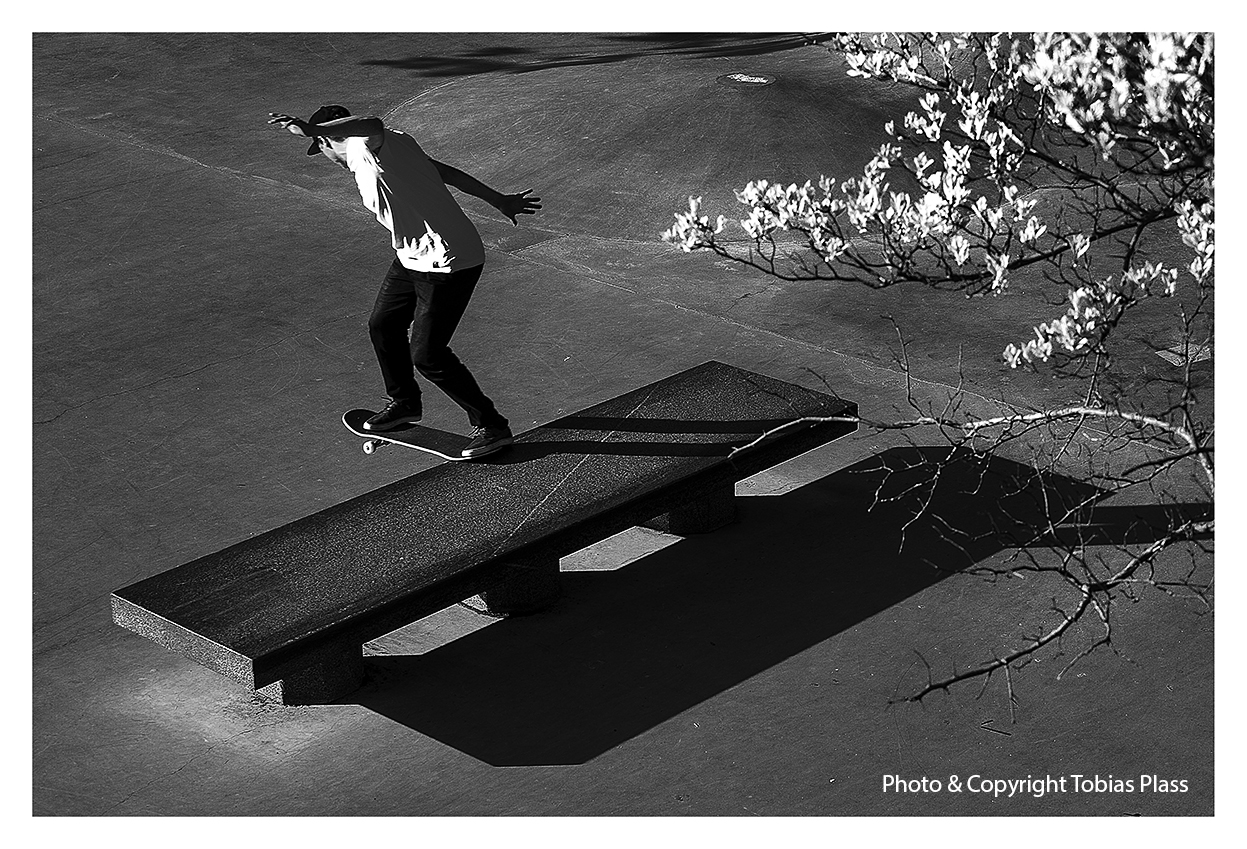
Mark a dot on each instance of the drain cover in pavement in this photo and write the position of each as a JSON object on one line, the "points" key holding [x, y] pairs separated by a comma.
{"points": [[746, 80]]}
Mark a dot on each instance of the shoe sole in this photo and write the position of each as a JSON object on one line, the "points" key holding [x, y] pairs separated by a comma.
{"points": [[394, 424], [470, 454]]}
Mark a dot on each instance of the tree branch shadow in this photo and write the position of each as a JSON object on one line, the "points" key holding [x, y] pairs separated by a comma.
{"points": [[626, 650]]}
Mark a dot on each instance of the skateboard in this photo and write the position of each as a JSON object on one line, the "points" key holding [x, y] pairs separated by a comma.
{"points": [[437, 442]]}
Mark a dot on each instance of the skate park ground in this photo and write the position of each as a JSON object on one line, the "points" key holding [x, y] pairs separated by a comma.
{"points": [[200, 293]]}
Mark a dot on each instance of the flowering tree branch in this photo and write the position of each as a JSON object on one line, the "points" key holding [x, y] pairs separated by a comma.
{"points": [[1053, 118], [1072, 155]]}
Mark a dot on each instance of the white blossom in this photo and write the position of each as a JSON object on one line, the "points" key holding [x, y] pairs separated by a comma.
{"points": [[960, 246], [691, 231], [1033, 230], [998, 265], [1195, 222], [1093, 309], [968, 203]]}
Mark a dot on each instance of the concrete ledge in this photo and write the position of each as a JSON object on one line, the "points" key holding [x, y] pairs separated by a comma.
{"points": [[295, 605]]}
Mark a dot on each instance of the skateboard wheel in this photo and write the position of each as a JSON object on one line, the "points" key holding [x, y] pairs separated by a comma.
{"points": [[370, 446]]}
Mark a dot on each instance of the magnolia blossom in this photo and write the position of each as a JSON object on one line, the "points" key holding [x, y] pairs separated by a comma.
{"points": [[1070, 158], [956, 170], [974, 113], [1022, 207], [1092, 312], [692, 231], [988, 214], [998, 265], [1032, 231], [931, 123], [885, 63], [945, 197], [960, 247], [774, 207], [912, 222], [1095, 84], [1196, 226]]}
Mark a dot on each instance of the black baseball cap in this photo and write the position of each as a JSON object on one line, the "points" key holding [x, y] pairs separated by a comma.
{"points": [[325, 113]]}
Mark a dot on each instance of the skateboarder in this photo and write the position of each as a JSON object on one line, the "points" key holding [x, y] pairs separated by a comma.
{"points": [[438, 260]]}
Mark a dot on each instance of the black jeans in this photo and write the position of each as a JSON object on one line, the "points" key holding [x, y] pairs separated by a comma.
{"points": [[431, 306]]}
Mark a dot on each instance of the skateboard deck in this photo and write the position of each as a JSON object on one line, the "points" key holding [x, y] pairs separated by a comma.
{"points": [[437, 442]]}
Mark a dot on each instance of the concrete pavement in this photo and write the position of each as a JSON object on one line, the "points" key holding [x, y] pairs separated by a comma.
{"points": [[196, 276]]}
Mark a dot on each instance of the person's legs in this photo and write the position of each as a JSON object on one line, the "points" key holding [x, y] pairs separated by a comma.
{"points": [[441, 301], [387, 327]]}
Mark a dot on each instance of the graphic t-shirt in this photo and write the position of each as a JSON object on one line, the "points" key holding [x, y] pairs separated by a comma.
{"points": [[399, 184]]}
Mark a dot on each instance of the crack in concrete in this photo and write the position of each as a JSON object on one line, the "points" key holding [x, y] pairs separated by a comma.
{"points": [[554, 490]]}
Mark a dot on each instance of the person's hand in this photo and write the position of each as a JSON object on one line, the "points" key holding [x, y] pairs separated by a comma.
{"points": [[295, 125], [518, 204]]}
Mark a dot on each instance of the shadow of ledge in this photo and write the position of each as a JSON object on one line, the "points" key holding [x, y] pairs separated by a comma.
{"points": [[626, 650]]}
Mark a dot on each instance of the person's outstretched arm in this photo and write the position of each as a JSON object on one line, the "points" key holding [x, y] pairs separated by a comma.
{"points": [[338, 128], [508, 205]]}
